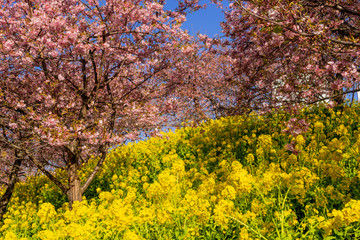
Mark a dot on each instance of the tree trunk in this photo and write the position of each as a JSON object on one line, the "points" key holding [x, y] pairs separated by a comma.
{"points": [[339, 97], [74, 192], [339, 94], [13, 179]]}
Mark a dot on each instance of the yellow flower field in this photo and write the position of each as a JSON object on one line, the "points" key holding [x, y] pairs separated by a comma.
{"points": [[241, 177]]}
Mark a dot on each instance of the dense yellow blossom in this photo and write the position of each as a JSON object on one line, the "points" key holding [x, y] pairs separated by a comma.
{"points": [[10, 236], [344, 217], [222, 211], [130, 235], [240, 176]]}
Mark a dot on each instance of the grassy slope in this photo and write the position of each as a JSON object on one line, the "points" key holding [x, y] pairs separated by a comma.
{"points": [[236, 177]]}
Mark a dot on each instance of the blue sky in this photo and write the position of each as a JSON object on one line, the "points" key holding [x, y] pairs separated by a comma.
{"points": [[206, 21]]}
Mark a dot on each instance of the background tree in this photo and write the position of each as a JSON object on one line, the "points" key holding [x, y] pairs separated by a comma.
{"points": [[293, 52], [206, 82], [78, 77]]}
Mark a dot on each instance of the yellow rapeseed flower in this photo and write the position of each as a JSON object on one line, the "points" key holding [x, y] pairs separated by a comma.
{"points": [[130, 235], [10, 236], [46, 212]]}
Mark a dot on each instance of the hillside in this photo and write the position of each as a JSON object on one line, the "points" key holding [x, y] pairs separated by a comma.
{"points": [[242, 177]]}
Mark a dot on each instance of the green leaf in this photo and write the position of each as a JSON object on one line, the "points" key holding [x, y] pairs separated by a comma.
{"points": [[278, 29], [329, 238]]}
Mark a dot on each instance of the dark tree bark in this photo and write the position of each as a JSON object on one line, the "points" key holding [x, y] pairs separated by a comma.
{"points": [[13, 179]]}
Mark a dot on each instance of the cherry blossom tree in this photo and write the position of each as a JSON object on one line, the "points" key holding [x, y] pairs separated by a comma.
{"points": [[206, 81], [77, 77], [293, 52]]}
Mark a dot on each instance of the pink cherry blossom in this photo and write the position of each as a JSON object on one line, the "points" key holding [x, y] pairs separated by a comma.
{"points": [[78, 77], [313, 43]]}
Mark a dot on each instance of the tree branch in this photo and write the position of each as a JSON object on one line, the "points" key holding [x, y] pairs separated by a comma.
{"points": [[273, 22], [345, 43], [347, 10], [96, 169], [334, 96], [42, 168], [304, 34]]}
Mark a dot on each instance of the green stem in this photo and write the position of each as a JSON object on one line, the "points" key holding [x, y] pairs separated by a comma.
{"points": [[247, 226]]}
